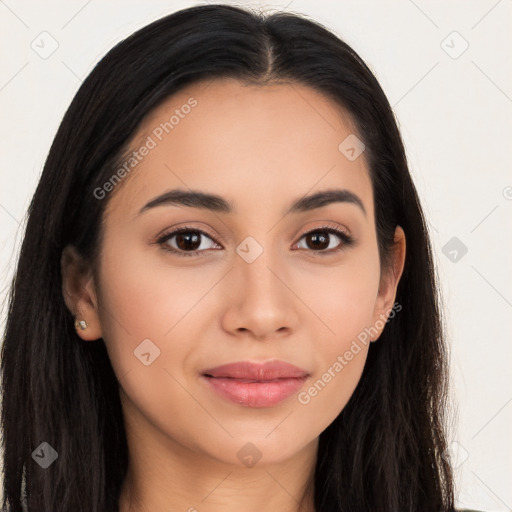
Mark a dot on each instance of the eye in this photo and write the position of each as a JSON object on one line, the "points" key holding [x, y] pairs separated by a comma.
{"points": [[320, 240], [188, 241]]}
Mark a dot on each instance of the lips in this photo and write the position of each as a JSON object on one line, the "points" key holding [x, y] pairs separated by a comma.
{"points": [[255, 384], [257, 371]]}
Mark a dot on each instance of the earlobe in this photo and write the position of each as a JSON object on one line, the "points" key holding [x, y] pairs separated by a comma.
{"points": [[79, 294]]}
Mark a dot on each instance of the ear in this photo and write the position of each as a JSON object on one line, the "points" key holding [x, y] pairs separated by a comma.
{"points": [[389, 283], [78, 290]]}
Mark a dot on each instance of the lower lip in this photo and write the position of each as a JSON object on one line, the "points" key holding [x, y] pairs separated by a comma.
{"points": [[255, 394]]}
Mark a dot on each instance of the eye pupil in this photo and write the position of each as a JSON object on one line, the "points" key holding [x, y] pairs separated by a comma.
{"points": [[319, 239], [183, 239]]}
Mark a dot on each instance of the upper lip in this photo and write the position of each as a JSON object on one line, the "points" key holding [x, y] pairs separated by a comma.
{"points": [[267, 370]]}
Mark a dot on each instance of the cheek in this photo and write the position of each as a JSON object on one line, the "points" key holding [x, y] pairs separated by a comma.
{"points": [[340, 354], [345, 304], [343, 298], [148, 294], [148, 315], [144, 298], [331, 388]]}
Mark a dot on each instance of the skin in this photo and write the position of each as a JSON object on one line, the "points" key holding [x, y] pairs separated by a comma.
{"points": [[261, 148]]}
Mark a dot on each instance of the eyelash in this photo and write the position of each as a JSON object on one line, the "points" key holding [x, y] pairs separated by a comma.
{"points": [[347, 240]]}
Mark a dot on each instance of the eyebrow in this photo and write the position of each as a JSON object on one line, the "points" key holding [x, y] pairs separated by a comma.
{"points": [[216, 203]]}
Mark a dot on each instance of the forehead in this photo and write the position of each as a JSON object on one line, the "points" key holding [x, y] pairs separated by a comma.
{"points": [[258, 146]]}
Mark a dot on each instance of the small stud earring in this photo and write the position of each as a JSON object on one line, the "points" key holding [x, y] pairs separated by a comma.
{"points": [[82, 324]]}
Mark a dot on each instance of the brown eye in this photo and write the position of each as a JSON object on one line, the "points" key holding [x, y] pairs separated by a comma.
{"points": [[317, 240], [188, 241], [322, 240]]}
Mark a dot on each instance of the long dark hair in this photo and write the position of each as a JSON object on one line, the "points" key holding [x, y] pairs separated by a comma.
{"points": [[385, 451]]}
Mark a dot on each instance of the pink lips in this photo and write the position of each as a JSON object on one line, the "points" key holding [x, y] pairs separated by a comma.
{"points": [[256, 384]]}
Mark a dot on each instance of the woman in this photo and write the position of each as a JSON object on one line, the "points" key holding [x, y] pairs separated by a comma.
{"points": [[225, 297]]}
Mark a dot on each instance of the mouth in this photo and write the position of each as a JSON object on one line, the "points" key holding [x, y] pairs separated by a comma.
{"points": [[254, 384]]}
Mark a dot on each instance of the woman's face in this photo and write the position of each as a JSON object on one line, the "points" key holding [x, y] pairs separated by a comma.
{"points": [[245, 283]]}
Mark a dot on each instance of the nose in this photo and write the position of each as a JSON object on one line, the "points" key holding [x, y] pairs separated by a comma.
{"points": [[261, 303]]}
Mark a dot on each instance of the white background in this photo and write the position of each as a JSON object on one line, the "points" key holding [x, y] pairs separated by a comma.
{"points": [[455, 117]]}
